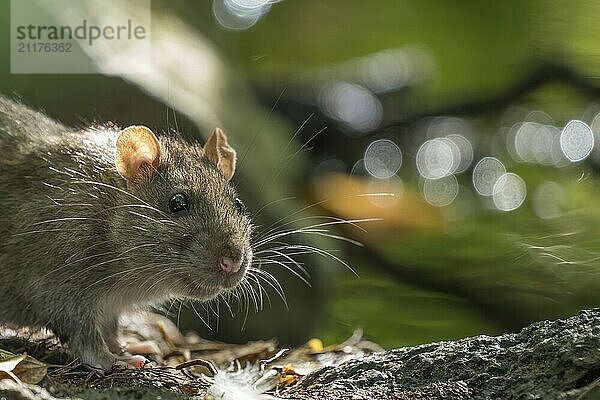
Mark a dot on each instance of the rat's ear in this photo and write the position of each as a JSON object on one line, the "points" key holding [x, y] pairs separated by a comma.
{"points": [[137, 153], [220, 153]]}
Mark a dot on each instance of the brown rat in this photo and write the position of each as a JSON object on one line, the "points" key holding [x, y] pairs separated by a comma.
{"points": [[100, 221]]}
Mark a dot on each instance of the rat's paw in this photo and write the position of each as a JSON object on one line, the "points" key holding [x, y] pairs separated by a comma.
{"points": [[136, 362], [99, 362]]}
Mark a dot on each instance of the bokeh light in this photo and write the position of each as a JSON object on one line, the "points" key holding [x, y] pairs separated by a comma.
{"points": [[524, 140], [541, 145], [240, 14], [436, 159], [358, 169], [556, 154], [533, 142], [465, 154], [352, 105], [539, 116], [444, 126], [440, 192], [486, 173], [331, 165], [509, 192], [386, 70], [595, 126], [382, 159], [576, 140]]}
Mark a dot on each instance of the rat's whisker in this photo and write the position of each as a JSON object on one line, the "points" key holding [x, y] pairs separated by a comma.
{"points": [[272, 203], [270, 280], [292, 138], [253, 279], [336, 221], [127, 271], [308, 230], [259, 130], [300, 150], [198, 315], [225, 297], [48, 221], [277, 262], [325, 253], [251, 294], [289, 259], [109, 186], [278, 224]]}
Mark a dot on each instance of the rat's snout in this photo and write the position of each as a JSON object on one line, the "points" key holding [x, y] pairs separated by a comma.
{"points": [[229, 265]]}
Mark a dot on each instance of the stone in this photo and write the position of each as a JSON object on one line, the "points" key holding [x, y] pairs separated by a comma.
{"points": [[546, 360]]}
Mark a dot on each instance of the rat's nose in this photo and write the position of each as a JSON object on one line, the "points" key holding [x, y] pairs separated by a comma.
{"points": [[230, 265]]}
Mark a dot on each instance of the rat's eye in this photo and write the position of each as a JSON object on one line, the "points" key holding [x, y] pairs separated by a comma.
{"points": [[239, 205], [179, 202]]}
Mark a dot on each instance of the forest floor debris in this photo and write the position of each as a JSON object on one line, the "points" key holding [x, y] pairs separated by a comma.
{"points": [[181, 365]]}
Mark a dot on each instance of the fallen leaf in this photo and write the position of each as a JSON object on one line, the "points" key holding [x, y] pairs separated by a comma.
{"points": [[24, 367], [288, 376], [9, 363], [315, 345]]}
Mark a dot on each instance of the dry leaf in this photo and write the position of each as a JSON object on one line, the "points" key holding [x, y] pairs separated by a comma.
{"points": [[288, 376], [9, 363], [26, 368], [189, 390], [315, 345]]}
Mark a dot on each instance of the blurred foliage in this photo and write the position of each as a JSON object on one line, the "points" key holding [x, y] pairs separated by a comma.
{"points": [[394, 313], [473, 54]]}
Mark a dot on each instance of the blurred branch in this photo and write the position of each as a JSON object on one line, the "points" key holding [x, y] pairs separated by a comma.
{"points": [[545, 73]]}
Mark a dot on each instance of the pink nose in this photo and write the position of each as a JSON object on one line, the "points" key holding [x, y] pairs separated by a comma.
{"points": [[230, 265]]}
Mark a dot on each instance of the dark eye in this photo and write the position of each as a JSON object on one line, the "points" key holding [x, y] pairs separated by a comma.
{"points": [[179, 202], [239, 205]]}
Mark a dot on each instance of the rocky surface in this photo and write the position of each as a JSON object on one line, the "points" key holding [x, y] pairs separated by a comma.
{"points": [[546, 360]]}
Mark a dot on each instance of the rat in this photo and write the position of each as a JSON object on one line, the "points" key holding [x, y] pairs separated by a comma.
{"points": [[100, 221]]}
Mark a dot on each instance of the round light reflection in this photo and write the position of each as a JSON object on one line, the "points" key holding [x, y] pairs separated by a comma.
{"points": [[440, 192], [383, 159], [239, 14], [465, 152], [509, 192], [435, 159], [353, 105], [486, 173], [576, 140]]}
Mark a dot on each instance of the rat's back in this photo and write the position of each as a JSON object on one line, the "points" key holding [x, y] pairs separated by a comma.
{"points": [[39, 161], [22, 129]]}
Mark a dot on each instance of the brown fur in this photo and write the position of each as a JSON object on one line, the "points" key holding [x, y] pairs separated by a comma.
{"points": [[79, 246]]}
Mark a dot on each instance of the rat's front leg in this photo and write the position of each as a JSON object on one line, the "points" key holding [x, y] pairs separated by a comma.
{"points": [[84, 338], [109, 334], [125, 356]]}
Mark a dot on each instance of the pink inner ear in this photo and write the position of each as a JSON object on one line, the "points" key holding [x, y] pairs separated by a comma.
{"points": [[138, 160]]}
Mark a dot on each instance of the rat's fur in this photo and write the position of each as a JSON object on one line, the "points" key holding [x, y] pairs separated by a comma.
{"points": [[79, 245]]}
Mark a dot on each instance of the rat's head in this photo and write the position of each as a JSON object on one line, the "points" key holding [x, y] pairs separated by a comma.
{"points": [[192, 223]]}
